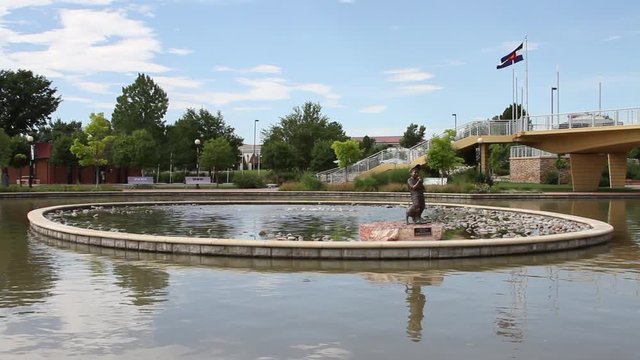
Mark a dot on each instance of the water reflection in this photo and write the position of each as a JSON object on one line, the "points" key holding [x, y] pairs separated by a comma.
{"points": [[84, 301], [26, 272]]}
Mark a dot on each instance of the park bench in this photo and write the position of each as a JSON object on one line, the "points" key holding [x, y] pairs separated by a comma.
{"points": [[197, 180], [140, 181], [24, 180]]}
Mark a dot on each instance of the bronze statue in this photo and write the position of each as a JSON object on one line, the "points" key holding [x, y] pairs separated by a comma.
{"points": [[416, 189]]}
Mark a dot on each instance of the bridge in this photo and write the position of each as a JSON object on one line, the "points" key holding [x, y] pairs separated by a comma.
{"points": [[590, 138]]}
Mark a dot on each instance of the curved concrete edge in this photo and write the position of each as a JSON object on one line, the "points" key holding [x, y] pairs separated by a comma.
{"points": [[600, 232]]}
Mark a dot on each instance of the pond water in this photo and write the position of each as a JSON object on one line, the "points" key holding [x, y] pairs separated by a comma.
{"points": [[82, 302]]}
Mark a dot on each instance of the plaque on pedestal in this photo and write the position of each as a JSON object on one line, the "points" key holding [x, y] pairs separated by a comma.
{"points": [[399, 231]]}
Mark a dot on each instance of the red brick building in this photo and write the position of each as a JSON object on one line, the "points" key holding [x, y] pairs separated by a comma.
{"points": [[46, 173]]}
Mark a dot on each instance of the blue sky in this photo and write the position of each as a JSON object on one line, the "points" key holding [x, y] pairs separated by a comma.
{"points": [[374, 65]]}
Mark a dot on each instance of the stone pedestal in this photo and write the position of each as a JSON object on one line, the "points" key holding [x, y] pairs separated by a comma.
{"points": [[397, 230]]}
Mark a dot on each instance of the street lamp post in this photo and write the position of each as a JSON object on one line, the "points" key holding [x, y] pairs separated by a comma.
{"points": [[197, 142], [31, 158], [255, 123], [455, 123], [553, 88]]}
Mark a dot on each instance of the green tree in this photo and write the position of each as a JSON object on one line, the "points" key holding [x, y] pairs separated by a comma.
{"points": [[19, 161], [368, 146], [26, 101], [347, 153], [441, 155], [499, 158], [278, 156], [217, 154], [99, 140], [506, 114], [322, 156], [202, 125], [412, 136], [61, 135], [302, 129], [135, 150], [5, 156], [142, 105]]}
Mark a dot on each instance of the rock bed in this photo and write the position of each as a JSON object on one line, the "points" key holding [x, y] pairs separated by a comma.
{"points": [[488, 224]]}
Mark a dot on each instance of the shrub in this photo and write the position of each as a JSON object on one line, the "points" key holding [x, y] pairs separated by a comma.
{"points": [[369, 183], [310, 182], [551, 178], [248, 180]]}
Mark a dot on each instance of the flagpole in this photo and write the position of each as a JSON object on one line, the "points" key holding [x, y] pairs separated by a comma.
{"points": [[558, 93], [526, 70], [513, 92]]}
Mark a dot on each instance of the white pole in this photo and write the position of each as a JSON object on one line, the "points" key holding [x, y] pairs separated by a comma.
{"points": [[513, 92], [600, 96], [558, 93], [526, 71]]}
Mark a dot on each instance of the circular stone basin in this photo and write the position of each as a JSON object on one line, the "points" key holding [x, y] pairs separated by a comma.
{"points": [[310, 230]]}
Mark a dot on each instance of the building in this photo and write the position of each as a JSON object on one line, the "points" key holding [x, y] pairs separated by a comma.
{"points": [[250, 156], [381, 140]]}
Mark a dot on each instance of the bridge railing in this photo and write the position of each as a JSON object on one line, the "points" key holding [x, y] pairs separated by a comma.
{"points": [[488, 127], [594, 118], [522, 151]]}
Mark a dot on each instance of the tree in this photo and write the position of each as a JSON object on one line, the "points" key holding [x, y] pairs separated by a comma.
{"points": [[142, 105], [5, 155], [368, 146], [506, 114], [499, 158], [99, 139], [412, 136], [322, 156], [217, 154], [199, 124], [441, 155], [26, 101], [135, 150], [278, 156], [347, 153], [302, 129], [61, 135]]}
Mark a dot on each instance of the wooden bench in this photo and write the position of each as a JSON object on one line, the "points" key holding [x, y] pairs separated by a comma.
{"points": [[197, 180]]}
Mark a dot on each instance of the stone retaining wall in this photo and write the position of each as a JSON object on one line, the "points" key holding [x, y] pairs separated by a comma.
{"points": [[600, 232]]}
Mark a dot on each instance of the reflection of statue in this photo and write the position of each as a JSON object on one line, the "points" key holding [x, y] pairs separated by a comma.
{"points": [[416, 189], [416, 302]]}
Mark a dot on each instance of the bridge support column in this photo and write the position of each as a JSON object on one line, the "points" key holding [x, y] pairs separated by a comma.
{"points": [[484, 158], [586, 170], [617, 170]]}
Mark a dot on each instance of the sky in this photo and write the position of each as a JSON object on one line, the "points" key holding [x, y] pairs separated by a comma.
{"points": [[375, 66]]}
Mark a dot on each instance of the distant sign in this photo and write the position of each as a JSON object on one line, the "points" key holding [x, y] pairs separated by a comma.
{"points": [[190, 180], [434, 181], [139, 180]]}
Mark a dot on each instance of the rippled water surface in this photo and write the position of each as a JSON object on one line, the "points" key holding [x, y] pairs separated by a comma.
{"points": [[69, 301]]}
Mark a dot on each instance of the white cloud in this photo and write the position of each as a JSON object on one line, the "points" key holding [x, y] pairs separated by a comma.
{"points": [[93, 87], [373, 109], [177, 82], [261, 69], [181, 52], [420, 88], [407, 75], [251, 108], [613, 38], [88, 41]]}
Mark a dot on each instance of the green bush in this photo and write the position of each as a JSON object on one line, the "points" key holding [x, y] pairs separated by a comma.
{"points": [[176, 177], [369, 183], [471, 176], [248, 180], [633, 169], [311, 182], [551, 178]]}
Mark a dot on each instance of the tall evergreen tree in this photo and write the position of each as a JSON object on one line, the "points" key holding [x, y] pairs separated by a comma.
{"points": [[142, 105]]}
